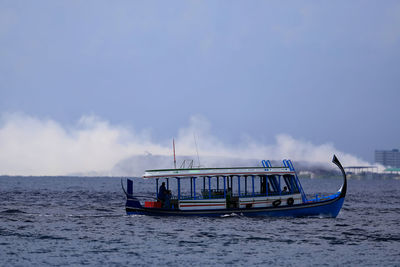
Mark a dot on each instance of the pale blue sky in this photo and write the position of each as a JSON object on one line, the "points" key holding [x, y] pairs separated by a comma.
{"points": [[320, 71]]}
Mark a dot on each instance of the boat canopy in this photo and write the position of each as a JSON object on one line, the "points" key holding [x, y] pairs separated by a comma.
{"points": [[196, 172]]}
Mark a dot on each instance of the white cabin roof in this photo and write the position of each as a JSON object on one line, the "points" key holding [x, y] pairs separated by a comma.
{"points": [[196, 172]]}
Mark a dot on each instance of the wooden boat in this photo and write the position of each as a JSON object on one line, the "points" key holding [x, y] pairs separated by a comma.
{"points": [[247, 191]]}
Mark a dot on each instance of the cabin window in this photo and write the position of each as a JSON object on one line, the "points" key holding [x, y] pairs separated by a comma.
{"points": [[291, 184], [187, 188], [273, 185], [246, 186]]}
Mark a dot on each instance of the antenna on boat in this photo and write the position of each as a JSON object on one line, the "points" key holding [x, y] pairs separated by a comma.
{"points": [[173, 145], [197, 150]]}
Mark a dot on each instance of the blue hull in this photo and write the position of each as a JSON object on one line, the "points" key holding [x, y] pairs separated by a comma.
{"points": [[328, 208]]}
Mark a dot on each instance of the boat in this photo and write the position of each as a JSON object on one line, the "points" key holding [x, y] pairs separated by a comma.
{"points": [[246, 191]]}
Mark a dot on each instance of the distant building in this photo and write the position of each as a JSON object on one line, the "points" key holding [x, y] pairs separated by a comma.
{"points": [[388, 157]]}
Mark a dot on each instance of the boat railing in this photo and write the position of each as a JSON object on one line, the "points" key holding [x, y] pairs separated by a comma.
{"points": [[219, 194], [321, 197], [215, 193], [261, 194], [199, 197]]}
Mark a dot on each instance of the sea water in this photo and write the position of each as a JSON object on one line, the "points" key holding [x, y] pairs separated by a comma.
{"points": [[82, 221]]}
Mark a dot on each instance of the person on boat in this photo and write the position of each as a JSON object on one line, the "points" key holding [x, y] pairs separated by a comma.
{"points": [[162, 192], [285, 190], [164, 196]]}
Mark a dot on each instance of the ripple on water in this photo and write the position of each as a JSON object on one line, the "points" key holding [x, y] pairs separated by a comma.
{"points": [[12, 211]]}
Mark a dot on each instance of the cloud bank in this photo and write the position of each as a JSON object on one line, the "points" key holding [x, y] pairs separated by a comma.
{"points": [[93, 146]]}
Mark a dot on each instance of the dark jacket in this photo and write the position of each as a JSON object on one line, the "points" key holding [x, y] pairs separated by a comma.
{"points": [[162, 192]]}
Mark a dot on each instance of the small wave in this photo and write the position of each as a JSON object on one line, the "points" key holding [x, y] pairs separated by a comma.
{"points": [[103, 209], [136, 215], [256, 238], [183, 242], [94, 215], [12, 211], [342, 225], [230, 215], [350, 233], [44, 237], [384, 238]]}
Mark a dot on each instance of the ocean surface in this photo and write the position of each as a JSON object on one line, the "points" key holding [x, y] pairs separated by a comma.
{"points": [[81, 221]]}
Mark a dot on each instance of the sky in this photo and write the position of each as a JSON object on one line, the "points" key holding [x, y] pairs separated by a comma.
{"points": [[87, 84]]}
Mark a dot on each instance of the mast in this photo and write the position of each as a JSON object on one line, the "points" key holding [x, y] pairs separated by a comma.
{"points": [[173, 144], [197, 150]]}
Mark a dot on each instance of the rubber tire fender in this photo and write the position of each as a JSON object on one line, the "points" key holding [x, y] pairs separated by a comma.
{"points": [[290, 201], [276, 203]]}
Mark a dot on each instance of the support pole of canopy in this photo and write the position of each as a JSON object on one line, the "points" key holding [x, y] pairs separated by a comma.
{"points": [[252, 181], [209, 187], [194, 187], [245, 185], [179, 188], [266, 184], [167, 183], [238, 185], [191, 187], [224, 186], [217, 182], [157, 187]]}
